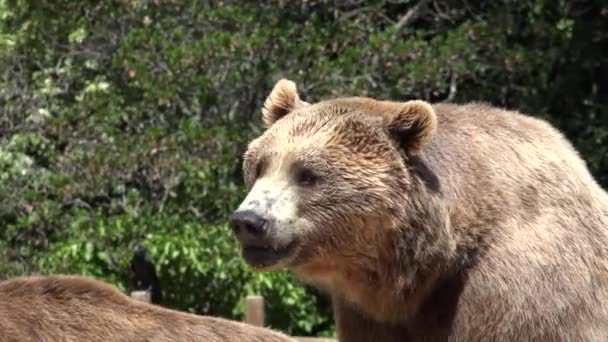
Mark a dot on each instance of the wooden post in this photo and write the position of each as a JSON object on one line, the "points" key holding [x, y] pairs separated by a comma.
{"points": [[143, 296], [254, 310]]}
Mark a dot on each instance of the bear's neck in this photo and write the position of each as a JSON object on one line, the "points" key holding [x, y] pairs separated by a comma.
{"points": [[379, 288], [391, 283]]}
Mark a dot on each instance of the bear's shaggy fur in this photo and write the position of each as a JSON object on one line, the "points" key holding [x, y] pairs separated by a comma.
{"points": [[75, 309], [429, 222]]}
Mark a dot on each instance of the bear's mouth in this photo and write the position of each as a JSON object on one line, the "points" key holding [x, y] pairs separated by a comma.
{"points": [[264, 256]]}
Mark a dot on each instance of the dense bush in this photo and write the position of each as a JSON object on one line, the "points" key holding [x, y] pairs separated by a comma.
{"points": [[124, 121]]}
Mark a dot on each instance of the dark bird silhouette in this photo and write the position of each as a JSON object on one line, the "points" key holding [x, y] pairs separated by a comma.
{"points": [[144, 274]]}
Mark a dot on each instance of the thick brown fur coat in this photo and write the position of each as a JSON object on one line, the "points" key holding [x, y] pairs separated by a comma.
{"points": [[436, 222], [78, 309]]}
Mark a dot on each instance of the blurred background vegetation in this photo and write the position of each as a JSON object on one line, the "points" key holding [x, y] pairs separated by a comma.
{"points": [[123, 122]]}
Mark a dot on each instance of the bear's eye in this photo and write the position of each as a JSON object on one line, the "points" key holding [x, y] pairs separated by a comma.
{"points": [[259, 169], [305, 177]]}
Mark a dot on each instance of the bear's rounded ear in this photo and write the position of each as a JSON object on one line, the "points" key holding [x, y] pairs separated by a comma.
{"points": [[413, 124], [282, 100]]}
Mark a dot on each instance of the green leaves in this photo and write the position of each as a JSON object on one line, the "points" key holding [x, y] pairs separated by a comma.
{"points": [[199, 266]]}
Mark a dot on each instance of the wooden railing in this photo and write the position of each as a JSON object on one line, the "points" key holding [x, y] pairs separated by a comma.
{"points": [[254, 314]]}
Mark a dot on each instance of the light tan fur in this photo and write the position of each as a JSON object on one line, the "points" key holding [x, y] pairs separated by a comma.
{"points": [[77, 309], [442, 222], [282, 99]]}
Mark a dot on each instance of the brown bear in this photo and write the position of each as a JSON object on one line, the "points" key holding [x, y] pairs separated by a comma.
{"points": [[74, 308], [425, 222]]}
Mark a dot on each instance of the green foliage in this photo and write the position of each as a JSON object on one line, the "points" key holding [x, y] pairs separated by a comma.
{"points": [[124, 121], [197, 263]]}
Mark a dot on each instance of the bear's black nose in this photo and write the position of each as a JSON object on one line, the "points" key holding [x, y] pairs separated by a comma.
{"points": [[247, 225]]}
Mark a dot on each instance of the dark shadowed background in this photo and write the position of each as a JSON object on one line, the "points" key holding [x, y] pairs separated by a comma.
{"points": [[123, 122]]}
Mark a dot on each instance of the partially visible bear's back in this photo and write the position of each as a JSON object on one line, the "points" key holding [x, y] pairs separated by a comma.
{"points": [[73, 308], [531, 227]]}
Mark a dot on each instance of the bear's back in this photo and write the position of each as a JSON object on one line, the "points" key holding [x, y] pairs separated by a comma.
{"points": [[523, 160], [531, 223], [73, 308]]}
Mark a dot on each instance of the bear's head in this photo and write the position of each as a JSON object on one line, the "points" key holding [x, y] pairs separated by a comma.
{"points": [[328, 182]]}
